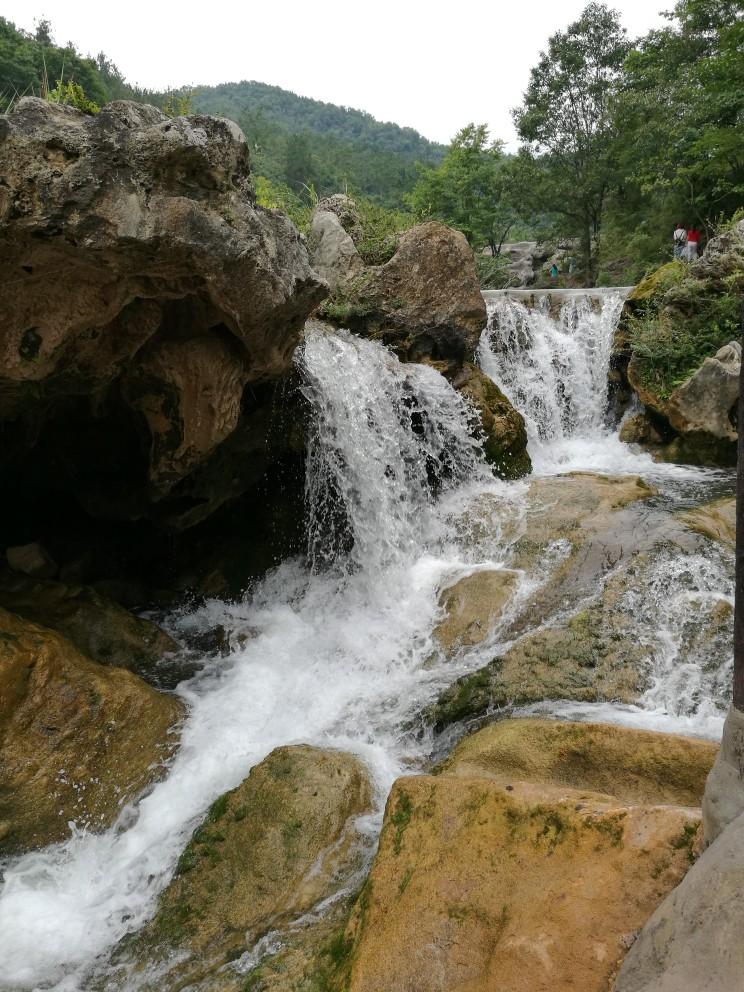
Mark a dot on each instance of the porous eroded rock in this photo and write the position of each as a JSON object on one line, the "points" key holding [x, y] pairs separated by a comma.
{"points": [[472, 606], [142, 290], [540, 888], [78, 740], [97, 626], [693, 940], [425, 301], [266, 852]]}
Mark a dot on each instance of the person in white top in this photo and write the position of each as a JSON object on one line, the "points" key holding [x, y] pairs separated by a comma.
{"points": [[680, 240]]}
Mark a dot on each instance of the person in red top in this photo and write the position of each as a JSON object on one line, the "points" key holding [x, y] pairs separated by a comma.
{"points": [[693, 237]]}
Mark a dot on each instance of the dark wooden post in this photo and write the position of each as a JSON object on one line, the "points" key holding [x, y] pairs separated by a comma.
{"points": [[738, 699]]}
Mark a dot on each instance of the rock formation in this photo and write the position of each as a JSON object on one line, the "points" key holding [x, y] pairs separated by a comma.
{"points": [[78, 740], [693, 940], [148, 307], [266, 852], [425, 302], [514, 868], [673, 348]]}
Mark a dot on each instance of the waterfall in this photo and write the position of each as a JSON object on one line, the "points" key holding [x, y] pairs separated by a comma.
{"points": [[338, 654], [552, 362], [385, 439]]}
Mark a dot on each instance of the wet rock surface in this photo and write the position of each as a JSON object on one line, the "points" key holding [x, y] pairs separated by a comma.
{"points": [[536, 885], [266, 853], [78, 740], [577, 635]]}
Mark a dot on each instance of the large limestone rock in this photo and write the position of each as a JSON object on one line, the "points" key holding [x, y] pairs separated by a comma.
{"points": [[97, 626], [693, 940], [483, 881], [635, 766], [704, 403], [266, 853], [143, 292], [335, 256], [78, 740], [425, 302]]}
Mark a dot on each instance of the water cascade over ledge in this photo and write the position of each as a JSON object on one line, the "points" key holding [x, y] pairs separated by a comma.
{"points": [[338, 650]]}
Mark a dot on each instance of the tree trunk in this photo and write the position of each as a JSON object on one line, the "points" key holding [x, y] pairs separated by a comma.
{"points": [[586, 250], [738, 699]]}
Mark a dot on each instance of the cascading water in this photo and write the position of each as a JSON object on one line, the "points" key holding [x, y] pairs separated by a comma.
{"points": [[554, 368], [340, 652], [337, 656]]}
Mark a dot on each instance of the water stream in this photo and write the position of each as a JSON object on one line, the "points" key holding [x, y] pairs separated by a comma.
{"points": [[338, 647]]}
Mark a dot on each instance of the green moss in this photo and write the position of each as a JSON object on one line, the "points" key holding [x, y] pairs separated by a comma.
{"points": [[400, 819], [404, 882], [610, 826], [686, 840]]}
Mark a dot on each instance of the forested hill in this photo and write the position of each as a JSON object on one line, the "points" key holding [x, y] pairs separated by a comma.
{"points": [[301, 113], [299, 140]]}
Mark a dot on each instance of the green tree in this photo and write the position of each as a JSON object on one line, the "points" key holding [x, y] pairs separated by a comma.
{"points": [[681, 110], [567, 124], [471, 190]]}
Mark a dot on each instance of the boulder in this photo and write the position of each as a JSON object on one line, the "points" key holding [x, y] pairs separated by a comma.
{"points": [[334, 254], [144, 293], [472, 606], [97, 626], [635, 766], [503, 428], [31, 559], [266, 853], [78, 740], [533, 887], [425, 301], [705, 402], [693, 940]]}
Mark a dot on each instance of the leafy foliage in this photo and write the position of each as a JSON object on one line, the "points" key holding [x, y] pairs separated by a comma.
{"points": [[472, 190]]}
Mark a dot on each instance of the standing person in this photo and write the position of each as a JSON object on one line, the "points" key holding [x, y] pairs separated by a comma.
{"points": [[693, 237], [680, 240]]}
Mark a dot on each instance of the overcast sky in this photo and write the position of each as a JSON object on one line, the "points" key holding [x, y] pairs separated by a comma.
{"points": [[429, 65]]}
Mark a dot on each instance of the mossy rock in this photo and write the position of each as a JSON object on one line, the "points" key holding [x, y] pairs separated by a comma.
{"points": [[635, 766], [478, 887], [265, 853]]}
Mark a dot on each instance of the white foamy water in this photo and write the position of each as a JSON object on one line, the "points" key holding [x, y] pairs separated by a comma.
{"points": [[337, 655], [338, 651]]}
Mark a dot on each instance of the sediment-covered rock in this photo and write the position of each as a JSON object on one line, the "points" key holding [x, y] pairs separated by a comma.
{"points": [[78, 740], [266, 852], [487, 878], [142, 292], [503, 427], [716, 520]]}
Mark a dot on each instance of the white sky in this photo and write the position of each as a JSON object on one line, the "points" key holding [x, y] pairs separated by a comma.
{"points": [[429, 65]]}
